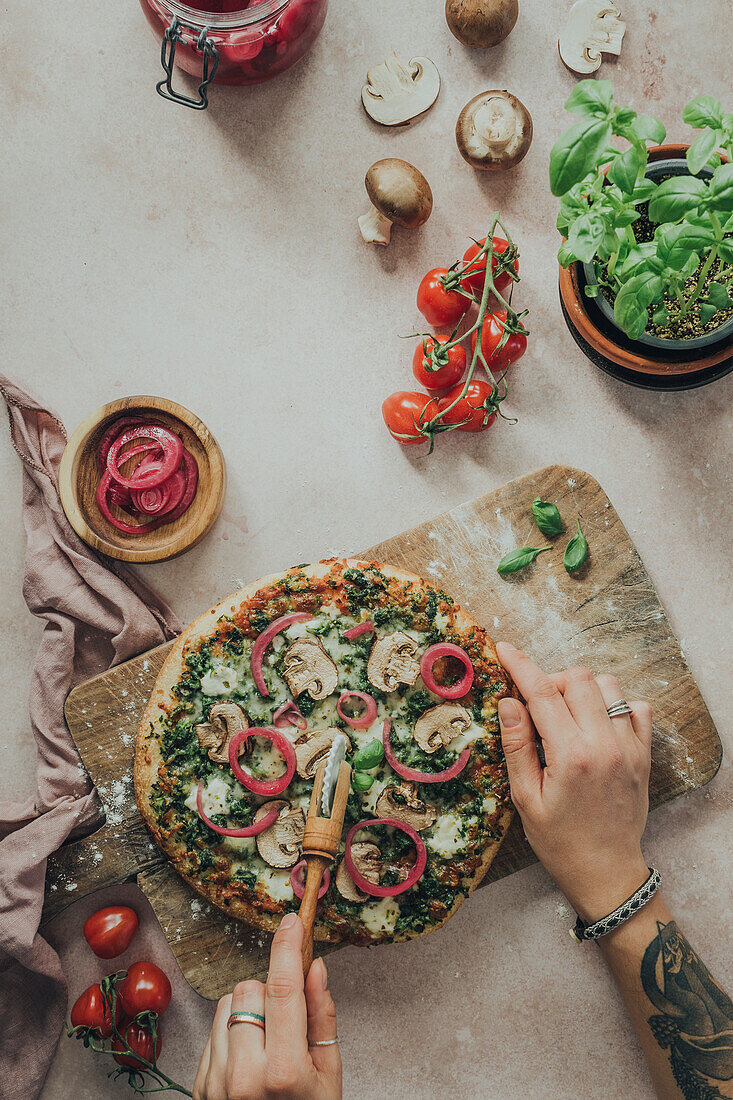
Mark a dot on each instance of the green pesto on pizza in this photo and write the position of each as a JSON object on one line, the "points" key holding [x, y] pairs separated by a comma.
{"points": [[247, 705]]}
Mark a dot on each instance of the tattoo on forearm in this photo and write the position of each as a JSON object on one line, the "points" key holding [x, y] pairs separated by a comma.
{"points": [[695, 1019]]}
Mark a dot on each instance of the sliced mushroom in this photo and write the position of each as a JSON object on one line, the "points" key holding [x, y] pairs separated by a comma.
{"points": [[311, 748], [592, 29], [396, 92], [392, 661], [308, 667], [481, 23], [438, 726], [367, 860], [279, 845], [402, 801], [400, 195], [225, 720], [494, 131]]}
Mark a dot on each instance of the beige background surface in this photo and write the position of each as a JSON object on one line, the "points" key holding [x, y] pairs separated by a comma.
{"points": [[214, 258]]}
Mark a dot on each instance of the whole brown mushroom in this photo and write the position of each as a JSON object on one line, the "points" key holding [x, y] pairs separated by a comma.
{"points": [[481, 23], [400, 195], [494, 131]]}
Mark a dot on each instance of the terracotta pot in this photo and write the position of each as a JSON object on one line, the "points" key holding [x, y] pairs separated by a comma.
{"points": [[612, 350]]}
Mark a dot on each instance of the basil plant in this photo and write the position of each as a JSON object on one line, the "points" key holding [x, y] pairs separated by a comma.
{"points": [[601, 188]]}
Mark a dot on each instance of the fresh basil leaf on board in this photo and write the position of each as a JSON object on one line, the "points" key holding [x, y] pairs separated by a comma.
{"points": [[519, 559], [547, 517], [576, 551]]}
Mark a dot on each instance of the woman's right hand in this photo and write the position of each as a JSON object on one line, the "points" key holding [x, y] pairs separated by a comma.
{"points": [[248, 1062], [584, 812]]}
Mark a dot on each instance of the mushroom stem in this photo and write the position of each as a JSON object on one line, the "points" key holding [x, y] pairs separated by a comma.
{"points": [[375, 228], [495, 123]]}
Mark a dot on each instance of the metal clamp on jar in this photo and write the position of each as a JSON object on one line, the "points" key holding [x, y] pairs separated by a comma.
{"points": [[212, 41]]}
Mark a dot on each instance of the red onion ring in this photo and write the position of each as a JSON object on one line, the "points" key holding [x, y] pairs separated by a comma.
{"points": [[170, 444], [297, 880], [112, 432], [363, 721], [267, 787], [289, 715], [191, 471], [262, 642], [128, 528], [412, 773], [450, 691], [416, 871], [358, 630], [248, 830]]}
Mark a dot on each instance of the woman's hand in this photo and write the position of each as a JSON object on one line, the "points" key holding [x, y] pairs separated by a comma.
{"points": [[584, 812], [249, 1063]]}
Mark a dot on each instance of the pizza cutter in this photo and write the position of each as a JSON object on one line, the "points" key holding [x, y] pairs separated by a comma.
{"points": [[323, 828]]}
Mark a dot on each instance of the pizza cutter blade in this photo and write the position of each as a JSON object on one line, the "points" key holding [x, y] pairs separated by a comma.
{"points": [[336, 754]]}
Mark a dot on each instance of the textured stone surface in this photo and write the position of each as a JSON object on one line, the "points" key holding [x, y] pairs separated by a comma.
{"points": [[214, 258]]}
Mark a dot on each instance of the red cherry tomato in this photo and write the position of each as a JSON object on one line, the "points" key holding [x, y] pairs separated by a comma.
{"points": [[470, 408], [451, 371], [476, 273], [404, 413], [492, 331], [145, 989], [440, 307], [140, 1040], [109, 932], [90, 1011]]}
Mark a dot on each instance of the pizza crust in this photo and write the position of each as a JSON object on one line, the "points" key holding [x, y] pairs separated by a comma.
{"points": [[148, 757]]}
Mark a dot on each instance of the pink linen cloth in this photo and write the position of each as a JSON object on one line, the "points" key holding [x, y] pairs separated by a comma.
{"points": [[96, 613]]}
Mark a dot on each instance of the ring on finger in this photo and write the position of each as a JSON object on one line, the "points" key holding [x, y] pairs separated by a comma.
{"points": [[246, 1018], [323, 1042], [618, 708]]}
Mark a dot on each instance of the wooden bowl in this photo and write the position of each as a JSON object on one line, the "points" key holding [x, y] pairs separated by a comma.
{"points": [[79, 476]]}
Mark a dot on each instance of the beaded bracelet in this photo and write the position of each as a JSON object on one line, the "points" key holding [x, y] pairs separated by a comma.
{"points": [[582, 931]]}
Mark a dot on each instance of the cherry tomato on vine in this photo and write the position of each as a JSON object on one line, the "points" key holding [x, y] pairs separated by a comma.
{"points": [[90, 1011], [471, 408], [405, 412], [492, 331], [476, 273], [140, 1040], [109, 932], [451, 371], [440, 307], [145, 989]]}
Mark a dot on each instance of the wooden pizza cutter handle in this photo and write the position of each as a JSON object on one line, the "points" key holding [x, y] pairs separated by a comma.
{"points": [[320, 847]]}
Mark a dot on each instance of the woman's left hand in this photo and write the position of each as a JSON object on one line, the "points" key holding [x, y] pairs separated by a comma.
{"points": [[247, 1062]]}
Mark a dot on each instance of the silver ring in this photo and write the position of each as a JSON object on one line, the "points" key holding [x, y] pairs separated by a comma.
{"points": [[618, 708], [246, 1018], [323, 1042]]}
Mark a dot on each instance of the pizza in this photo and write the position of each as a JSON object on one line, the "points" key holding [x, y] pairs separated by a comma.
{"points": [[249, 702]]}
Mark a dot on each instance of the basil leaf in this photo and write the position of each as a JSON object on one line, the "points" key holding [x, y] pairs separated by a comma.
{"points": [[576, 551], [632, 302], [661, 316], [707, 312], [585, 235], [591, 290], [675, 197], [703, 111], [645, 189], [647, 128], [721, 188], [676, 243], [518, 559], [701, 150], [719, 296], [575, 153], [591, 97], [546, 514], [361, 781], [625, 169], [725, 251]]}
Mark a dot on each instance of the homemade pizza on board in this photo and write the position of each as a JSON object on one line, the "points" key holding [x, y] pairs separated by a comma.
{"points": [[247, 705]]}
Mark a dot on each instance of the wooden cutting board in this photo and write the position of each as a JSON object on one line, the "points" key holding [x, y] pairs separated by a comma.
{"points": [[606, 616]]}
